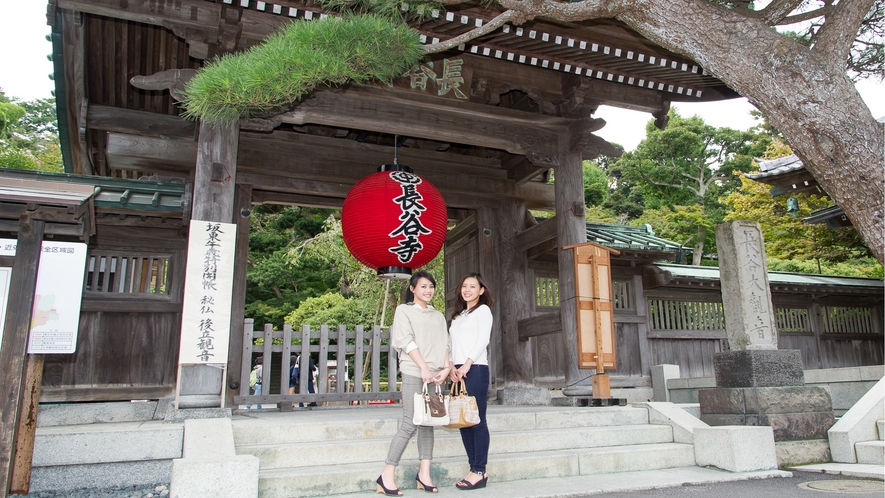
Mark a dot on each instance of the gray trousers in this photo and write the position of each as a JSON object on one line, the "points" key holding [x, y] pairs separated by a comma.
{"points": [[411, 385]]}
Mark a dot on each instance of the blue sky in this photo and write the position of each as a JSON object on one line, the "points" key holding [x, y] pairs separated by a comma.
{"points": [[23, 31]]}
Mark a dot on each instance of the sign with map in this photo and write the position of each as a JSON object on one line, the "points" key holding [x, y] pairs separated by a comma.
{"points": [[55, 318]]}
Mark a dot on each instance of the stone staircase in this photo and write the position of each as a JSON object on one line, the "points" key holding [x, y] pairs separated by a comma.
{"points": [[872, 452], [323, 452]]}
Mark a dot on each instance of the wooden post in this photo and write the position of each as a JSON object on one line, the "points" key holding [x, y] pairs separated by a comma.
{"points": [[15, 340], [27, 426], [243, 201], [571, 228], [214, 188], [490, 268], [513, 294]]}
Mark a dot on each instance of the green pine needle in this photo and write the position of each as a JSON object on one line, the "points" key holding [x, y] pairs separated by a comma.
{"points": [[302, 56]]}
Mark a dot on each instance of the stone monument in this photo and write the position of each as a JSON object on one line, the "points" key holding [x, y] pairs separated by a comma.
{"points": [[756, 383]]}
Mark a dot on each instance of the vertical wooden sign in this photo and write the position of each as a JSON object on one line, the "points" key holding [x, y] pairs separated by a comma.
{"points": [[595, 312]]}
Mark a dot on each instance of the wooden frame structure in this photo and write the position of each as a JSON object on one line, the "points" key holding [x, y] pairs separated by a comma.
{"points": [[525, 108]]}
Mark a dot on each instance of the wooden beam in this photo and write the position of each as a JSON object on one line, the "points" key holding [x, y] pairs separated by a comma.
{"points": [[118, 119], [521, 170], [548, 323], [202, 24], [546, 247], [20, 302], [388, 111], [326, 167], [536, 235]]}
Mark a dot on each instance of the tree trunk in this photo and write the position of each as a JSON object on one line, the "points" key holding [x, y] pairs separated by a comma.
{"points": [[698, 252], [813, 104]]}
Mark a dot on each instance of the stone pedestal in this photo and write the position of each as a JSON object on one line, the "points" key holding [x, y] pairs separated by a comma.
{"points": [[759, 368], [793, 412]]}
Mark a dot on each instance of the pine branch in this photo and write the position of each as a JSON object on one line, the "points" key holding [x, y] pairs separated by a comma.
{"points": [[835, 38]]}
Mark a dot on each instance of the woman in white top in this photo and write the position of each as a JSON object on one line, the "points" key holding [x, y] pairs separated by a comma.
{"points": [[419, 336], [470, 332]]}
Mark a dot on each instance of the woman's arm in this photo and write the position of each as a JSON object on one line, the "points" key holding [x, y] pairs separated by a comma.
{"points": [[416, 357]]}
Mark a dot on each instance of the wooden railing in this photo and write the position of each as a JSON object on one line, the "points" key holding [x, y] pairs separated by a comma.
{"points": [[342, 357]]}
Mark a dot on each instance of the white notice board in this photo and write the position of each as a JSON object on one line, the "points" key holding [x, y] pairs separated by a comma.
{"points": [[7, 248], [208, 283], [55, 317]]}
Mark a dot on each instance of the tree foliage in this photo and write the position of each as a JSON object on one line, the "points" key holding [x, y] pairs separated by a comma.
{"points": [[682, 172], [29, 135], [790, 240], [301, 57], [596, 187], [276, 283]]}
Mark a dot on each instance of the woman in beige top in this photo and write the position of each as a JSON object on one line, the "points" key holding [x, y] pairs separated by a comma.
{"points": [[421, 339]]}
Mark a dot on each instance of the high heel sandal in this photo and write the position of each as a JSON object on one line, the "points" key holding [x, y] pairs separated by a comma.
{"points": [[425, 487], [387, 492], [467, 485]]}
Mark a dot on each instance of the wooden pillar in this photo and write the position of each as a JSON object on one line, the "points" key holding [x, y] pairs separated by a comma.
{"points": [[22, 286], [489, 267], [242, 208], [216, 172], [571, 228], [214, 188], [513, 295]]}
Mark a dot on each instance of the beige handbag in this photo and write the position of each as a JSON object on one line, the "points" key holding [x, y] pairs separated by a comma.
{"points": [[463, 411]]}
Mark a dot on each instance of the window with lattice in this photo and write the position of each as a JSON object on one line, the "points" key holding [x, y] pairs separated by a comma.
{"points": [[114, 273]]}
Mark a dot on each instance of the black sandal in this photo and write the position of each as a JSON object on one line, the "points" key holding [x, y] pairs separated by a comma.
{"points": [[467, 485], [387, 492], [425, 487]]}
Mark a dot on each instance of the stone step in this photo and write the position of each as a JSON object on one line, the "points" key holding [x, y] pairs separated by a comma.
{"points": [[448, 444], [599, 484], [382, 422], [107, 443], [347, 477], [104, 455], [870, 452]]}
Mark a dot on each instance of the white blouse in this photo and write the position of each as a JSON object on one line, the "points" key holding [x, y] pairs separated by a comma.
{"points": [[470, 334]]}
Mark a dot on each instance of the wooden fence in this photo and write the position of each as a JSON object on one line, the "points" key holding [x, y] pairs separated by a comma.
{"points": [[343, 358]]}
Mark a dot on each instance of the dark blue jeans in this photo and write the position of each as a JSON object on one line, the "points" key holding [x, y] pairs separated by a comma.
{"points": [[476, 438]]}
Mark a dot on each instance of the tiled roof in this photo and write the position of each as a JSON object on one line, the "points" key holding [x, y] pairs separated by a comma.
{"points": [[775, 277], [116, 193], [628, 237], [777, 167]]}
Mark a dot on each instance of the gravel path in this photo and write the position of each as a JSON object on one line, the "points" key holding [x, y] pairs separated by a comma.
{"points": [[144, 491]]}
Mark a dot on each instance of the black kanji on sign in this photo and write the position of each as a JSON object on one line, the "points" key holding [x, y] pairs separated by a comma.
{"points": [[411, 227]]}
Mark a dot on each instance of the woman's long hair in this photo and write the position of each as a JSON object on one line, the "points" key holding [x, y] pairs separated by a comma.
{"points": [[484, 298], [410, 296]]}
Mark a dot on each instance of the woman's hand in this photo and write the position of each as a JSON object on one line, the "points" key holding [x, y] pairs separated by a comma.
{"points": [[426, 376], [462, 370], [441, 376]]}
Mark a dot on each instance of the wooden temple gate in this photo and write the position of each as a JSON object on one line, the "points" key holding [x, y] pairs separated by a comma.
{"points": [[524, 108]]}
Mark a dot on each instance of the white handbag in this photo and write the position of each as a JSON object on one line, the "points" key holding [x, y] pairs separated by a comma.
{"points": [[431, 408]]}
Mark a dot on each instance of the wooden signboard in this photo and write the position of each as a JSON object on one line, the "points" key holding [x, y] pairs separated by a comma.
{"points": [[595, 311], [439, 76]]}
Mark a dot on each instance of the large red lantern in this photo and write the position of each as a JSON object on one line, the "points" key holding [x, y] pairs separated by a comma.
{"points": [[394, 221]]}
